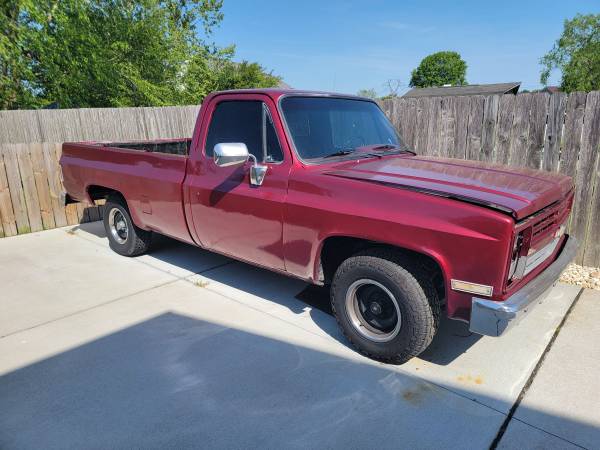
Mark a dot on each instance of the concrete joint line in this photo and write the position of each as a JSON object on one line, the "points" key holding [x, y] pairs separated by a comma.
{"points": [[530, 380], [74, 313]]}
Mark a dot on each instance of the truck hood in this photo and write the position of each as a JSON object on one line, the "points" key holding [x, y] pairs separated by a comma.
{"points": [[517, 191]]}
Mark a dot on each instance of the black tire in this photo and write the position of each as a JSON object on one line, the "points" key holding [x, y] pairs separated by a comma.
{"points": [[412, 290], [132, 243]]}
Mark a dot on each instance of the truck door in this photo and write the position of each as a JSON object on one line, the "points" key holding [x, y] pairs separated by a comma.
{"points": [[229, 214]]}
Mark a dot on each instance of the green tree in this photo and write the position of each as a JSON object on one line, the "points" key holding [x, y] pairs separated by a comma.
{"points": [[369, 93], [576, 54], [438, 69], [97, 53], [244, 75], [13, 61]]}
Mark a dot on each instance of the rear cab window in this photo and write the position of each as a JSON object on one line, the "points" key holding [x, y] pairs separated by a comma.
{"points": [[246, 121]]}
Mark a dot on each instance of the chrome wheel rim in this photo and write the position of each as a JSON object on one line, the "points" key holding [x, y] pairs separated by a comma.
{"points": [[118, 225], [373, 310]]}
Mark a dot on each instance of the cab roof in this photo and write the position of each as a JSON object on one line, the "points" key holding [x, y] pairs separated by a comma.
{"points": [[276, 93]]}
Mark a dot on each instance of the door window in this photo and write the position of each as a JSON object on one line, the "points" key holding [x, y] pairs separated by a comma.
{"points": [[245, 121]]}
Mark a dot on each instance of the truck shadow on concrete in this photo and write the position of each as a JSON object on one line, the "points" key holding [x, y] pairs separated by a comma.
{"points": [[175, 381], [452, 340]]}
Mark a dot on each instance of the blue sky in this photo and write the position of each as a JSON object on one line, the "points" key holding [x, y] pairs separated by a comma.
{"points": [[346, 45]]}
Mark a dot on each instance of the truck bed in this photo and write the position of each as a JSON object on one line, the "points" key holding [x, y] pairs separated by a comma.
{"points": [[168, 146], [149, 174]]}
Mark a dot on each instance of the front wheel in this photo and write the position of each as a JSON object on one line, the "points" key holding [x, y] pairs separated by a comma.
{"points": [[123, 236], [385, 305]]}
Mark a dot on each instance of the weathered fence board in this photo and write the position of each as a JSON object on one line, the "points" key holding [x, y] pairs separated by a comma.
{"points": [[488, 133], [422, 124], [40, 177], [585, 173], [555, 132], [589, 203], [7, 215], [537, 126], [571, 141], [409, 118], [461, 115], [475, 127], [448, 131], [506, 109], [591, 246], [520, 131], [433, 127], [17, 195], [554, 129], [32, 202]]}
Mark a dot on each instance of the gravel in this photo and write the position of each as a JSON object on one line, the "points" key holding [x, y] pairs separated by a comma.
{"points": [[588, 277]]}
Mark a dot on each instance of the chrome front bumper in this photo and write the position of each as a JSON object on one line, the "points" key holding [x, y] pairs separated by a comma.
{"points": [[493, 318]]}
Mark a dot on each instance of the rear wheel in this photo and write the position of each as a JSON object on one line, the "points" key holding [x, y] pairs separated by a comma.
{"points": [[385, 305], [123, 236]]}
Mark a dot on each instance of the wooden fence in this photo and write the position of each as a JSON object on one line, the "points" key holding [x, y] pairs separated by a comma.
{"points": [[30, 146], [552, 132], [558, 133], [109, 124]]}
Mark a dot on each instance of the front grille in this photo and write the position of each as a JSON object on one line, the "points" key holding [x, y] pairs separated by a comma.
{"points": [[542, 241], [545, 224], [550, 220]]}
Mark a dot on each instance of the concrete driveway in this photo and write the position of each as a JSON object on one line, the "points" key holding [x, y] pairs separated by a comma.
{"points": [[184, 348]]}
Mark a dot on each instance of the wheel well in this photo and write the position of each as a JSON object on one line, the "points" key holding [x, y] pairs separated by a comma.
{"points": [[336, 249], [100, 192]]}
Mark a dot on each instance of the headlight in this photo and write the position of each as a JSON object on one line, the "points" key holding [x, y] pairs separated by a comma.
{"points": [[514, 256], [519, 254]]}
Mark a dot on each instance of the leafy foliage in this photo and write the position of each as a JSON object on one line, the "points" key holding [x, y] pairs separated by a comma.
{"points": [[369, 93], [438, 69], [101, 53], [244, 75], [576, 54], [13, 63]]}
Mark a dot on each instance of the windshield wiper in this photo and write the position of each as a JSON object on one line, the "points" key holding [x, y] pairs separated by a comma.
{"points": [[384, 147], [393, 147], [348, 151], [340, 153]]}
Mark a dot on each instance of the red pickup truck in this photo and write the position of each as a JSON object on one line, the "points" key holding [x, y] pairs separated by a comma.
{"points": [[320, 186]]}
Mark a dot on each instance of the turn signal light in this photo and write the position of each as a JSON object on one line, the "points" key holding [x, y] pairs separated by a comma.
{"points": [[473, 288]]}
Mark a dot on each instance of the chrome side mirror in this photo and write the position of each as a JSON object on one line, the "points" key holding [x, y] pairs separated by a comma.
{"points": [[230, 154], [234, 153]]}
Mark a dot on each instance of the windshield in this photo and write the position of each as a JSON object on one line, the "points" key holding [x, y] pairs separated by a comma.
{"points": [[325, 126]]}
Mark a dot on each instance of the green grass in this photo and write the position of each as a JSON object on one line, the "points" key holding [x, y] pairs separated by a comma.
{"points": [[23, 230]]}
